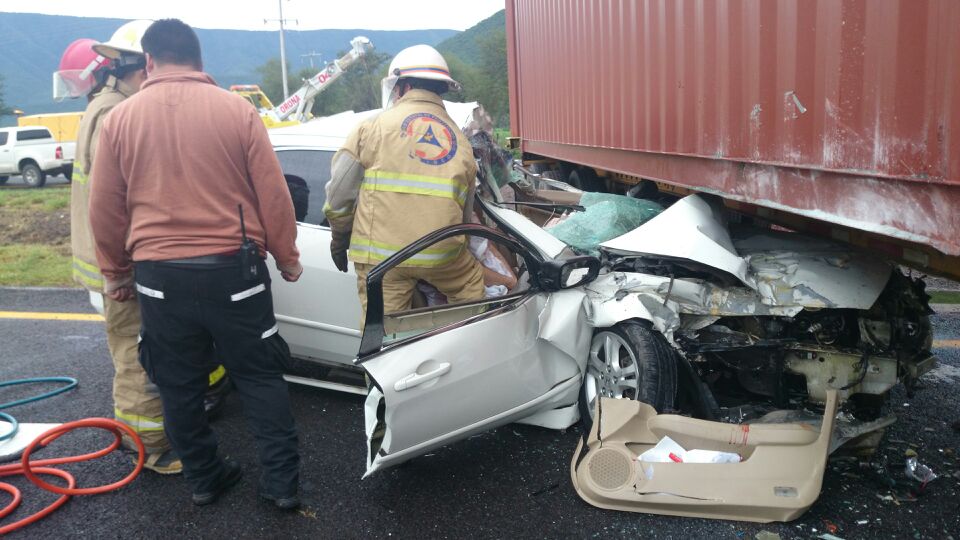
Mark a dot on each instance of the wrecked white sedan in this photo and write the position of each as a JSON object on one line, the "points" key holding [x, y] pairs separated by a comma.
{"points": [[687, 312]]}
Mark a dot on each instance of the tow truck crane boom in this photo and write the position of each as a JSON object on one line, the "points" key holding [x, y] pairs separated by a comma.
{"points": [[298, 104]]}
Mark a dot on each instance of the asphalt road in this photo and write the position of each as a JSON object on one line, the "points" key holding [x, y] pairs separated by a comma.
{"points": [[512, 482], [51, 181]]}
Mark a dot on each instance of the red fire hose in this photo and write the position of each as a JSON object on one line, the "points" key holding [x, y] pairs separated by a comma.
{"points": [[31, 469]]}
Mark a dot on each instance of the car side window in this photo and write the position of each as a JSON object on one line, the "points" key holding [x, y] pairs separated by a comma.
{"points": [[33, 134], [503, 267], [3, 138], [307, 173]]}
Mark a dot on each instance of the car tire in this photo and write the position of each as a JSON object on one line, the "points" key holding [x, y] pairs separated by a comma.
{"points": [[33, 176], [629, 361], [3, 180]]}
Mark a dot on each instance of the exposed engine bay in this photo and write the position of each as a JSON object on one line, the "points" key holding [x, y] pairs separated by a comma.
{"points": [[761, 320]]}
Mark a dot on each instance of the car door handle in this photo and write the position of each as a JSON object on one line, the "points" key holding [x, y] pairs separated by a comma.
{"points": [[414, 379]]}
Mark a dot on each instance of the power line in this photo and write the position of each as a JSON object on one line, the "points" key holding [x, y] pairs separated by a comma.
{"points": [[311, 55]]}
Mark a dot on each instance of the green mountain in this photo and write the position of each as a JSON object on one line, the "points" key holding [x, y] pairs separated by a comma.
{"points": [[478, 60], [33, 44], [466, 45]]}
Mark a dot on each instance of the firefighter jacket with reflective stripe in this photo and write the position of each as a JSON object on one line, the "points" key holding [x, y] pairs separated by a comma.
{"points": [[418, 173], [85, 269]]}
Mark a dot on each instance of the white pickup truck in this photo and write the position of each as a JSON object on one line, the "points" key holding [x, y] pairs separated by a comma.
{"points": [[32, 153]]}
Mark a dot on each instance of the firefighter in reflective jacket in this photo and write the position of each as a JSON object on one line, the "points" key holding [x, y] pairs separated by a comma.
{"points": [[108, 73], [401, 175]]}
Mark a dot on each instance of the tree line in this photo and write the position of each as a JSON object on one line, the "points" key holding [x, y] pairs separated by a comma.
{"points": [[358, 89]]}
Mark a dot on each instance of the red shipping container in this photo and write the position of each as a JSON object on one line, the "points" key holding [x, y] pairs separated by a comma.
{"points": [[839, 112]]}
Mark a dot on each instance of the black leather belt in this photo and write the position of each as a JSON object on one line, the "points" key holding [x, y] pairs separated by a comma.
{"points": [[205, 260]]}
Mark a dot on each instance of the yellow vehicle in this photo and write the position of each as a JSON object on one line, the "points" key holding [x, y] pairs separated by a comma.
{"points": [[261, 103], [63, 126]]}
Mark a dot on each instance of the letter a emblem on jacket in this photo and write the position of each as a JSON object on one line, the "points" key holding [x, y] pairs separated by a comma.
{"points": [[436, 142]]}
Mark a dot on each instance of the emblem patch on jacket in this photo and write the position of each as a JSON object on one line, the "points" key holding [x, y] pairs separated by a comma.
{"points": [[435, 142]]}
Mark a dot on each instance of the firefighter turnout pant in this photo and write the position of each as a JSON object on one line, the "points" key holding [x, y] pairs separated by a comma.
{"points": [[136, 401], [460, 281], [191, 310]]}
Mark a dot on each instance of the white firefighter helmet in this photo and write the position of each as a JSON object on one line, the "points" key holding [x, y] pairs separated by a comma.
{"points": [[126, 40], [416, 62]]}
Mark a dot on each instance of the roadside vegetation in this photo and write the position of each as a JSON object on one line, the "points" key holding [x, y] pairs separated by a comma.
{"points": [[35, 237], [49, 199], [477, 59], [944, 297]]}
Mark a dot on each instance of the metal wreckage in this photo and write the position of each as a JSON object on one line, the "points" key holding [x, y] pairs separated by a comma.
{"points": [[723, 336]]}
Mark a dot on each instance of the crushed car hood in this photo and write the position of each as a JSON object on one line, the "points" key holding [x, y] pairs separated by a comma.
{"points": [[783, 269]]}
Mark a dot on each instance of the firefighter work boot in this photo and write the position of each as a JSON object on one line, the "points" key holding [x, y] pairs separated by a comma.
{"points": [[165, 462], [231, 475]]}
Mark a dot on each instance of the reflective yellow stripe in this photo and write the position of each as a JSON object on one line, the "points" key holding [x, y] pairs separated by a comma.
{"points": [[217, 374], [379, 251], [138, 423], [86, 266], [333, 214], [79, 176], [416, 184], [87, 274]]}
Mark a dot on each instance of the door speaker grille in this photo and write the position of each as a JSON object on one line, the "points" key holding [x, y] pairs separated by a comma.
{"points": [[610, 469]]}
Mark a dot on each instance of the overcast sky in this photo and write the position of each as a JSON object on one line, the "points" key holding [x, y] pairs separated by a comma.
{"points": [[249, 14]]}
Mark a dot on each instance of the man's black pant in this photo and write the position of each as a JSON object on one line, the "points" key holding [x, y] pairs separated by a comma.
{"points": [[188, 311]]}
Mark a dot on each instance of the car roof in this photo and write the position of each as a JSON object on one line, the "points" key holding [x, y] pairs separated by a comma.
{"points": [[329, 132], [23, 128]]}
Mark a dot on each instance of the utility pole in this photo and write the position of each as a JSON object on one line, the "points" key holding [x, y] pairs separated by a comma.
{"points": [[311, 55], [283, 49]]}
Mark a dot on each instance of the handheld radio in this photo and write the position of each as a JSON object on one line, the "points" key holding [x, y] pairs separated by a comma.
{"points": [[249, 254]]}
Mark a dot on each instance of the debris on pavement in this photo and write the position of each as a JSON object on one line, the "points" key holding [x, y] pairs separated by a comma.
{"points": [[767, 535], [609, 470], [919, 472]]}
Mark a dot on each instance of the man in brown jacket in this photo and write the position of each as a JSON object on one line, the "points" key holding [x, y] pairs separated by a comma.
{"points": [[175, 163]]}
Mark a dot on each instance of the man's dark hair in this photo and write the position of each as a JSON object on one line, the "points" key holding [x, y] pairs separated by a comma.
{"points": [[437, 87], [171, 41]]}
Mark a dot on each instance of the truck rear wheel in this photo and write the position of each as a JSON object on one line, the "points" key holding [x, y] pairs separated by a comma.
{"points": [[629, 361], [585, 179], [33, 176]]}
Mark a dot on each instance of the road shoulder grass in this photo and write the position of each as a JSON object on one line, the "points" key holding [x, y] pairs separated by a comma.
{"points": [[35, 265], [35, 237]]}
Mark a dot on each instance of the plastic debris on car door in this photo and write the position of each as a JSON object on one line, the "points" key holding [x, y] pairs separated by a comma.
{"points": [[778, 478]]}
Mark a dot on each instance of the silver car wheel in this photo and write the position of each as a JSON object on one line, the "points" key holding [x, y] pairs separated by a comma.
{"points": [[611, 369]]}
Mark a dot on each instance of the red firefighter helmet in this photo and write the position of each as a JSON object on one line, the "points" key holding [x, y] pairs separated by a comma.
{"points": [[81, 71]]}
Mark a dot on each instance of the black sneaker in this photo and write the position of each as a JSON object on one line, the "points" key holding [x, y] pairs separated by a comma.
{"points": [[283, 503], [231, 475]]}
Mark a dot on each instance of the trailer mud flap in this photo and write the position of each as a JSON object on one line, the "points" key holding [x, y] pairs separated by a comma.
{"points": [[778, 479]]}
